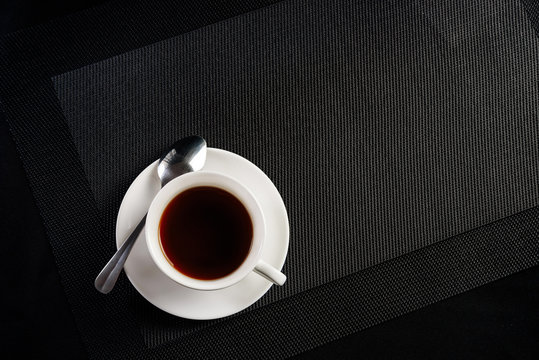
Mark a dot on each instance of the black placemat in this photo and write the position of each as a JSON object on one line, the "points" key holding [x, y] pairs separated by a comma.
{"points": [[406, 138], [381, 76]]}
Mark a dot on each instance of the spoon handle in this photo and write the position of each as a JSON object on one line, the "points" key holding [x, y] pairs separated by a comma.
{"points": [[104, 282]]}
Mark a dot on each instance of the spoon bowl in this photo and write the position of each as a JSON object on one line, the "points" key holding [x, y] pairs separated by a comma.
{"points": [[184, 156]]}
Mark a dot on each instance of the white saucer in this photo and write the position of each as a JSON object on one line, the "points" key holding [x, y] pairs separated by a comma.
{"points": [[178, 300]]}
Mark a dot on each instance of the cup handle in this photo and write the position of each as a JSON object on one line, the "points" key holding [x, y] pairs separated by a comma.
{"points": [[270, 273]]}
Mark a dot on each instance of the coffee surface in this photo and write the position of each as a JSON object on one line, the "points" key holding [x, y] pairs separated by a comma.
{"points": [[205, 233]]}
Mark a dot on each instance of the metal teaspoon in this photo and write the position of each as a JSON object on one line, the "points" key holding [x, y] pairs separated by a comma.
{"points": [[186, 155]]}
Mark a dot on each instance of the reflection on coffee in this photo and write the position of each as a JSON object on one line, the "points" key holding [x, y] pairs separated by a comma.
{"points": [[205, 233]]}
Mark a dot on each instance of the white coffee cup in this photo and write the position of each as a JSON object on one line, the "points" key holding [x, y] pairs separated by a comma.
{"points": [[252, 262]]}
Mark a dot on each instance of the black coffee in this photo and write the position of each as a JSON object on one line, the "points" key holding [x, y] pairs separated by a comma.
{"points": [[206, 233]]}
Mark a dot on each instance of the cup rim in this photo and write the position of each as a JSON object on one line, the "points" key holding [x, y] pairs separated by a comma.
{"points": [[197, 179]]}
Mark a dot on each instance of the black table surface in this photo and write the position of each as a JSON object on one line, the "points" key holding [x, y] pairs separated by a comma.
{"points": [[496, 321]]}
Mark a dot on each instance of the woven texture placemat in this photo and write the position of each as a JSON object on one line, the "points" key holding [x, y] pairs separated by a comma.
{"points": [[408, 132]]}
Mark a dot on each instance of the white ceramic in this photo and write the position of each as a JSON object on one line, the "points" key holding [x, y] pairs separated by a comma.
{"points": [[189, 303], [214, 179]]}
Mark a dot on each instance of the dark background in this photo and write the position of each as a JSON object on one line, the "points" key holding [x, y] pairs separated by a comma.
{"points": [[496, 321]]}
